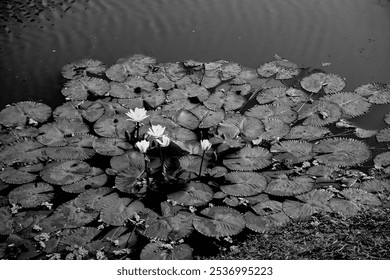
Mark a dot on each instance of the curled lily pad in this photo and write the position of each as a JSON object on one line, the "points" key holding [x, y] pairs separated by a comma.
{"points": [[79, 89], [320, 113], [244, 183], [361, 197], [283, 69], [23, 152], [352, 104], [282, 185], [219, 222], [294, 151], [161, 251], [111, 146], [79, 147], [307, 132], [6, 221], [195, 194], [94, 179], [82, 68], [114, 126], [266, 223], [26, 112], [376, 93], [341, 152], [331, 83], [248, 159], [284, 113], [65, 172], [135, 65], [12, 175], [31, 195], [56, 134], [116, 211]]}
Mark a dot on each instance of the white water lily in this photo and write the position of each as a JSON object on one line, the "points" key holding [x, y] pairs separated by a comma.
{"points": [[156, 131], [137, 115], [143, 146], [205, 144], [164, 142]]}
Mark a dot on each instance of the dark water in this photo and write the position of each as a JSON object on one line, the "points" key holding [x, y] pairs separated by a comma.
{"points": [[38, 37]]}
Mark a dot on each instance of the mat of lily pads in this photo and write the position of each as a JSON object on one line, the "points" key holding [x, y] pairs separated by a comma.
{"points": [[144, 159]]}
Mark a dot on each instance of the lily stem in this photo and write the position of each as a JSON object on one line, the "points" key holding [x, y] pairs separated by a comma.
{"points": [[201, 163]]}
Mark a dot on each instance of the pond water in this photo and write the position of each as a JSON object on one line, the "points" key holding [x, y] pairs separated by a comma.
{"points": [[37, 37]]}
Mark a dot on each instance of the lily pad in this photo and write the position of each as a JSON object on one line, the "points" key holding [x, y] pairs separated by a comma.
{"points": [[341, 151], [244, 183], [307, 132], [114, 126], [82, 68], [229, 101], [344, 207], [6, 221], [135, 65], [80, 88], [161, 251], [317, 198], [80, 236], [383, 135], [268, 207], [320, 113], [282, 96], [352, 104], [128, 180], [111, 146], [298, 211], [284, 113], [376, 93], [94, 179], [195, 194], [382, 160], [23, 153], [93, 199], [92, 111], [247, 127], [12, 175], [22, 113], [186, 119], [248, 159], [263, 224], [123, 161], [191, 163], [282, 185], [294, 151], [331, 83], [219, 222], [274, 129], [283, 69], [31, 195], [65, 172], [115, 212], [361, 197], [79, 147], [375, 185], [68, 111]]}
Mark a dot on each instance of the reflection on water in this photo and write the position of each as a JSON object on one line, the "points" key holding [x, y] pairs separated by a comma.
{"points": [[37, 37]]}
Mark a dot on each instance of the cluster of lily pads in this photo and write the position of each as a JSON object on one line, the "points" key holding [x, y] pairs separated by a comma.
{"points": [[143, 156]]}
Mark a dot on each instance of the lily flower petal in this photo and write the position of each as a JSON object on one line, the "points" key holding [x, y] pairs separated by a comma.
{"points": [[164, 142], [205, 144], [143, 145], [156, 131], [137, 115]]}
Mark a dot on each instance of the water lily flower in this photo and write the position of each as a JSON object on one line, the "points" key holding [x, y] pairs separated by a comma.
{"points": [[205, 144], [164, 142], [143, 145], [156, 131], [137, 115]]}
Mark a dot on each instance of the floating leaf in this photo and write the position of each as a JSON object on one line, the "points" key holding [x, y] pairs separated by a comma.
{"points": [[375, 185], [111, 146], [128, 180], [263, 224], [208, 118], [383, 135], [294, 151], [66, 172], [68, 111], [229, 101], [219, 222], [22, 113], [79, 147], [284, 113], [115, 212], [352, 104], [344, 207], [268, 207], [93, 199], [341, 152], [92, 111], [129, 158], [135, 65], [306, 132], [382, 160], [78, 89], [274, 129], [55, 134], [376, 93], [283, 69], [162, 251], [113, 126], [6, 221], [31, 195], [195, 194], [191, 163], [244, 183], [248, 159], [320, 113], [96, 178], [361, 197], [282, 95], [14, 176], [24, 152], [364, 133], [80, 237], [186, 119], [282, 185], [298, 211], [82, 68], [248, 127], [174, 227], [318, 199], [330, 82]]}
